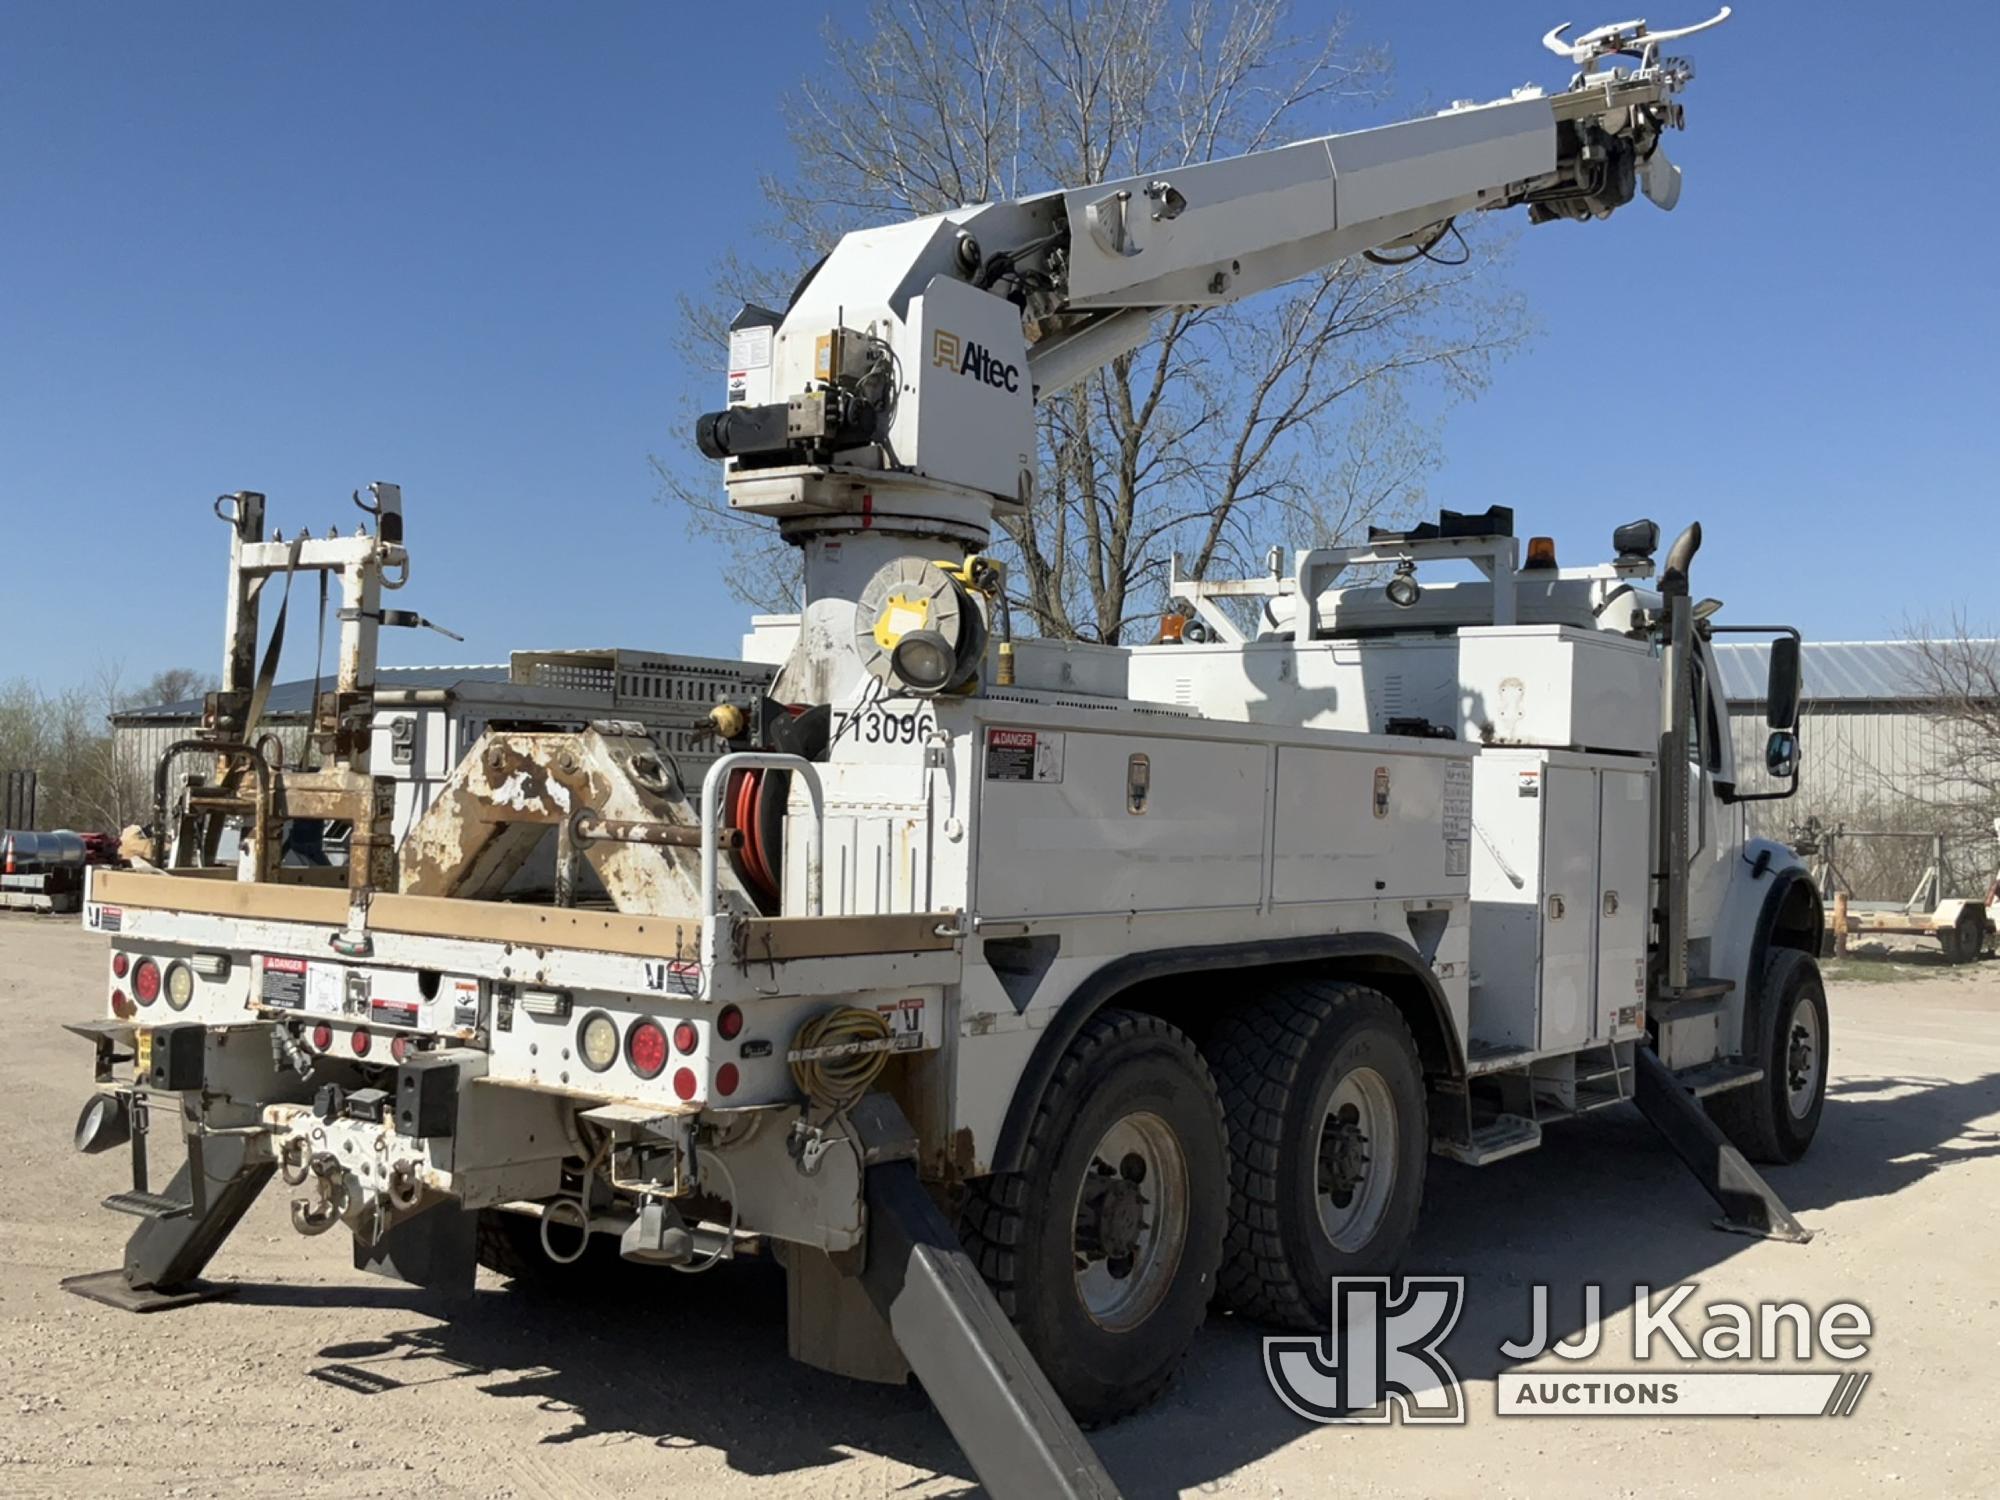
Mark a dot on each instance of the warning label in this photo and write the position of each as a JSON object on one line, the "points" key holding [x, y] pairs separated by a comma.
{"points": [[464, 1004], [392, 1012], [284, 983], [1023, 755], [1458, 817]]}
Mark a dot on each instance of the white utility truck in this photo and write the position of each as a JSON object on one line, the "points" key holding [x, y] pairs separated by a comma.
{"points": [[1022, 997]]}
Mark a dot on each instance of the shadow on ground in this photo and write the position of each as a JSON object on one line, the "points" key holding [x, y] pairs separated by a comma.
{"points": [[681, 1362]]}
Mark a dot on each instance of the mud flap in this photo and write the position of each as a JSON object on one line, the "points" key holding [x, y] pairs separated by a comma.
{"points": [[1749, 1204], [437, 1249], [978, 1374]]}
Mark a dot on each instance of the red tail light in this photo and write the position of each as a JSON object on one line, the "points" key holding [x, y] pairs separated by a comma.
{"points": [[686, 1038], [121, 1007], [729, 1025], [119, 964], [361, 1041], [726, 1079], [400, 1048], [322, 1037], [646, 1048], [684, 1083], [146, 982]]}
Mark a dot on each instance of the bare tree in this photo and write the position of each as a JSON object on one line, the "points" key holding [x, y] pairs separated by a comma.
{"points": [[85, 780], [1958, 675], [1285, 419]]}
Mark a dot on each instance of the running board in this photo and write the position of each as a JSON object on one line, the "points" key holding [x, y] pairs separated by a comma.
{"points": [[1013, 1428], [1498, 1139], [1749, 1206]]}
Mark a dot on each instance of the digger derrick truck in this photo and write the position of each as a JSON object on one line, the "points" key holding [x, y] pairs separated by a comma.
{"points": [[1022, 997]]}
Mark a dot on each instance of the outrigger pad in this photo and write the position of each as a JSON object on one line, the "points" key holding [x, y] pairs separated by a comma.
{"points": [[113, 1290]]}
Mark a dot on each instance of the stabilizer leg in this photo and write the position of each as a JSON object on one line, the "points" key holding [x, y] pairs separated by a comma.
{"points": [[182, 1229], [1749, 1205], [1021, 1441]]}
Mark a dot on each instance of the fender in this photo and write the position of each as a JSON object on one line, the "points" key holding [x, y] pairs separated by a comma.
{"points": [[1765, 935], [1113, 979]]}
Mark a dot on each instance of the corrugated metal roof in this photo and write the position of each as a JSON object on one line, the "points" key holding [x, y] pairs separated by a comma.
{"points": [[1834, 671], [293, 700]]}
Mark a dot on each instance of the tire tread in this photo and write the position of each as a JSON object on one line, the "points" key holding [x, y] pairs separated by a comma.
{"points": [[992, 1213], [1258, 1053]]}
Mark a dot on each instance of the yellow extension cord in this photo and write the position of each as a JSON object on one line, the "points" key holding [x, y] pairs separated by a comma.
{"points": [[844, 1051]]}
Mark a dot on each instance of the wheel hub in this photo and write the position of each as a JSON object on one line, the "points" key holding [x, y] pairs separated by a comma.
{"points": [[1798, 1058], [1131, 1221], [1356, 1162], [1343, 1156]]}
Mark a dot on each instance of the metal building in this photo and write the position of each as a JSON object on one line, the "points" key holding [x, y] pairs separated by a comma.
{"points": [[1874, 744], [141, 735]]}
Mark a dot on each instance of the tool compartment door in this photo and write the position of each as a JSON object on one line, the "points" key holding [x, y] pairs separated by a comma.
{"points": [[1074, 822], [1569, 905], [1624, 862]]}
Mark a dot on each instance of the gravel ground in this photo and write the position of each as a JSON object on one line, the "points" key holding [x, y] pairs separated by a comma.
{"points": [[317, 1379]]}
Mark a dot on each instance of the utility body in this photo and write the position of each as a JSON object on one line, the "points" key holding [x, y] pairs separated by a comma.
{"points": [[1023, 997]]}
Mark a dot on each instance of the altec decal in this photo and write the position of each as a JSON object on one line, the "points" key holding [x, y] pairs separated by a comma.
{"points": [[950, 352]]}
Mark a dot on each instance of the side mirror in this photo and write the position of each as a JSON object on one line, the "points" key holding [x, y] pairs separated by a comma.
{"points": [[1781, 754], [1781, 691]]}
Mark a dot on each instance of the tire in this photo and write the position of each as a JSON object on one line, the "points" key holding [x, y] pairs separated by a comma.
{"points": [[510, 1245], [1969, 937], [1774, 1120], [1316, 1067], [1107, 1281]]}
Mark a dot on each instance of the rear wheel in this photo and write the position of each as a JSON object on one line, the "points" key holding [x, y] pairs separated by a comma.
{"points": [[511, 1246], [1775, 1119], [1964, 939], [1103, 1248], [1323, 1092]]}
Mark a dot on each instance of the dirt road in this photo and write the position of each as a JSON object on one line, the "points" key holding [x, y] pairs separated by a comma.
{"points": [[318, 1380]]}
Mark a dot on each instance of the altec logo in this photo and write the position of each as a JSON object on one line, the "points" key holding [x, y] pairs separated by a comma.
{"points": [[950, 352]]}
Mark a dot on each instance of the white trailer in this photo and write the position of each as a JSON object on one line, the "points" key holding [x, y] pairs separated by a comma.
{"points": [[1022, 997]]}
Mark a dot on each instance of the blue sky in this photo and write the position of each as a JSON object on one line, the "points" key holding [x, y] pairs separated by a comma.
{"points": [[297, 248]]}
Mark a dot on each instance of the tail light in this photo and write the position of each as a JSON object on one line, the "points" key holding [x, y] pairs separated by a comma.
{"points": [[686, 1038], [646, 1048], [597, 1041], [322, 1037], [146, 982], [399, 1048], [729, 1025], [726, 1079], [684, 1083], [361, 1041], [120, 964]]}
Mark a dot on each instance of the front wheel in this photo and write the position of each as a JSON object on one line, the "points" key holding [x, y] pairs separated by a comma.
{"points": [[1328, 1139], [1103, 1248], [1774, 1120]]}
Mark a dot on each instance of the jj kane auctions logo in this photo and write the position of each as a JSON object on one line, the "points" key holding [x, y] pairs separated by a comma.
{"points": [[1383, 1358], [950, 352]]}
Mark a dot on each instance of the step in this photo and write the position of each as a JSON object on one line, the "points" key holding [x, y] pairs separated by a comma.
{"points": [[148, 1205], [1694, 991], [1498, 1139], [1713, 1078]]}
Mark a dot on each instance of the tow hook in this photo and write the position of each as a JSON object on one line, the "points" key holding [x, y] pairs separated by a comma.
{"points": [[405, 1187], [320, 1213]]}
